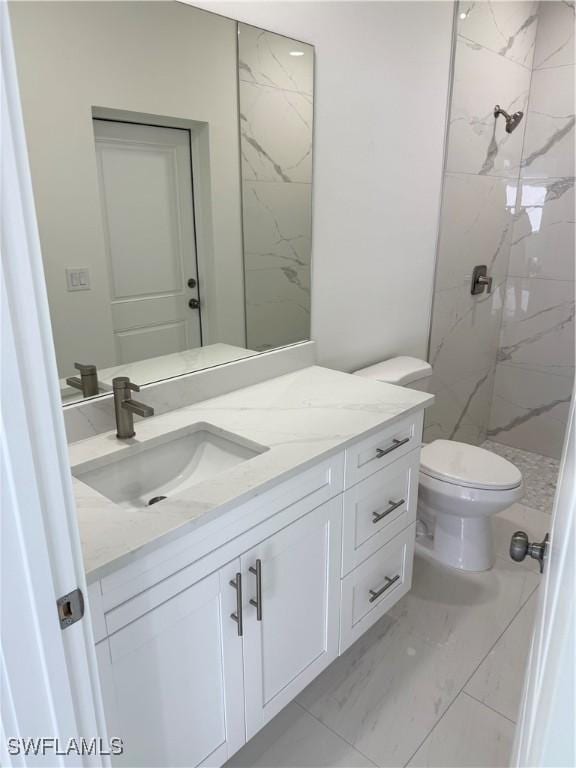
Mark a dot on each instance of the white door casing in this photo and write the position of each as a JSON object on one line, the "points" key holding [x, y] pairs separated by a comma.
{"points": [[145, 179]]}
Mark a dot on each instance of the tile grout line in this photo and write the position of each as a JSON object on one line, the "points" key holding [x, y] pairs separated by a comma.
{"points": [[335, 733], [472, 674], [483, 703]]}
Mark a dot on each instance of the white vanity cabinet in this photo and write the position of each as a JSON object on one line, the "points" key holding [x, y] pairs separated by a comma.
{"points": [[186, 684], [297, 635], [172, 679], [203, 641]]}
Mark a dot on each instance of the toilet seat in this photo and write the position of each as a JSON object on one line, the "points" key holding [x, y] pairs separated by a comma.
{"points": [[468, 466]]}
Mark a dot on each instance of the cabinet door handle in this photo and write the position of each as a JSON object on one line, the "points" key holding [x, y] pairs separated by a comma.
{"points": [[375, 594], [380, 452], [377, 516], [237, 617], [258, 602]]}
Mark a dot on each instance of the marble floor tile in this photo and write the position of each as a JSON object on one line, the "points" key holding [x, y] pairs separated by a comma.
{"points": [[295, 739], [539, 473], [499, 680], [470, 734], [387, 692], [464, 611]]}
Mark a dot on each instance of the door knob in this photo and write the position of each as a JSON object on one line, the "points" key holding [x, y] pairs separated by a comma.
{"points": [[520, 547], [194, 304]]}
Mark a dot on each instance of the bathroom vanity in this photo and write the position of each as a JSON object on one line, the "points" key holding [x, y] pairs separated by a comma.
{"points": [[234, 546], [215, 606]]}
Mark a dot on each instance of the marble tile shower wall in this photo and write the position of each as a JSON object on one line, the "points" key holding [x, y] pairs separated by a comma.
{"points": [[535, 369], [492, 65], [276, 90]]}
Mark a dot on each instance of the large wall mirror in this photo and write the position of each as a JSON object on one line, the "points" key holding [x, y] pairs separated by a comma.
{"points": [[171, 159]]}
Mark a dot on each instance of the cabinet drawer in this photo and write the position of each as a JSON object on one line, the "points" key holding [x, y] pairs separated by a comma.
{"points": [[378, 508], [372, 589], [382, 448]]}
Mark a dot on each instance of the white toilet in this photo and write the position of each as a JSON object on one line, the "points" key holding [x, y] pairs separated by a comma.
{"points": [[460, 486]]}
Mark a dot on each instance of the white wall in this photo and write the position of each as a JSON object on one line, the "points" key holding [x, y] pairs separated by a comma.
{"points": [[382, 74], [148, 58]]}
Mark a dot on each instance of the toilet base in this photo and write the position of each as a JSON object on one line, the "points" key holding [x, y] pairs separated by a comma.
{"points": [[464, 543]]}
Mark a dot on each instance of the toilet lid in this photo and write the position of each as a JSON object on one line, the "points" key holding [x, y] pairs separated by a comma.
{"points": [[468, 465]]}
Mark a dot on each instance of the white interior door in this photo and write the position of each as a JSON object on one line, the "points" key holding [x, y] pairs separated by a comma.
{"points": [[48, 676], [545, 733], [145, 180]]}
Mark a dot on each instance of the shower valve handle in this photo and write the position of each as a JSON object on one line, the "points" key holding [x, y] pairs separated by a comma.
{"points": [[480, 280]]}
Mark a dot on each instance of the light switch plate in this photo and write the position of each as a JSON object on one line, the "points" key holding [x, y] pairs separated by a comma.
{"points": [[78, 279]]}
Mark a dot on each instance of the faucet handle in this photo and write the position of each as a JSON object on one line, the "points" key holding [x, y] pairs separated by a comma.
{"points": [[85, 369]]}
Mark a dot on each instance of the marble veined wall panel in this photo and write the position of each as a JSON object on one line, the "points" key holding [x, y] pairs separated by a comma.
{"points": [[276, 111], [492, 65], [535, 370]]}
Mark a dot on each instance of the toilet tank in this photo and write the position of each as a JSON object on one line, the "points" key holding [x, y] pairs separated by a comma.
{"points": [[402, 371]]}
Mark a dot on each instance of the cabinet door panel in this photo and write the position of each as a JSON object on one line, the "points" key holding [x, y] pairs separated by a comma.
{"points": [[176, 674], [298, 634]]}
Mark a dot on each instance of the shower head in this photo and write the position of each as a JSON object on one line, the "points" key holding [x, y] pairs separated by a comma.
{"points": [[512, 121]]}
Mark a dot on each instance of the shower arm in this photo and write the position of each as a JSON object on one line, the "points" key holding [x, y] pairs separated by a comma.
{"points": [[499, 111]]}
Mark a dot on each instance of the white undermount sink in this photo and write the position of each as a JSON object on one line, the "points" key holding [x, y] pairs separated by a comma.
{"points": [[146, 473]]}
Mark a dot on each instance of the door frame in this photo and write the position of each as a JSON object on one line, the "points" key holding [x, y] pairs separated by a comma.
{"points": [[56, 693], [199, 135], [191, 161], [545, 730]]}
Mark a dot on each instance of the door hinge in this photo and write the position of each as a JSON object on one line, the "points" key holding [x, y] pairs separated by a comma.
{"points": [[70, 608]]}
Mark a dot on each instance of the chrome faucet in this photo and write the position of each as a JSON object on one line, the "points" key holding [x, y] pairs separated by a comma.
{"points": [[125, 407], [87, 383]]}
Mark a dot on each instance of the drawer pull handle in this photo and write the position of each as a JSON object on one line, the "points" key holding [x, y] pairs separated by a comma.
{"points": [[375, 594], [258, 602], [380, 452], [376, 517], [237, 617]]}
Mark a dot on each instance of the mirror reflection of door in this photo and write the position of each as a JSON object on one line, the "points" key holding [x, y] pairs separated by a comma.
{"points": [[144, 174]]}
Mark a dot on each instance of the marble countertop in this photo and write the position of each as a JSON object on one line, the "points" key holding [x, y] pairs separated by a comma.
{"points": [[301, 417]]}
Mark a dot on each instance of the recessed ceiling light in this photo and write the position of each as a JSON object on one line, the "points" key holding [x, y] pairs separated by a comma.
{"points": [[296, 53], [463, 15]]}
